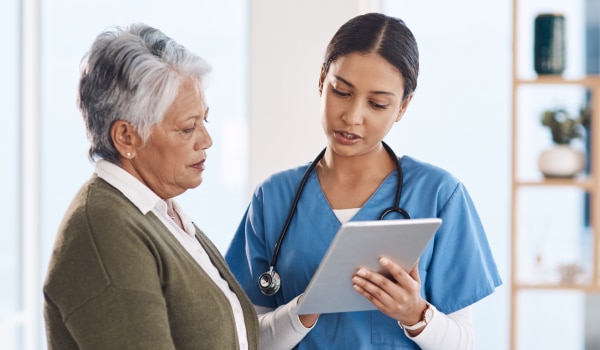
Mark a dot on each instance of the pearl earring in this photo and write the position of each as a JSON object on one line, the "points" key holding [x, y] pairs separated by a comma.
{"points": [[128, 154]]}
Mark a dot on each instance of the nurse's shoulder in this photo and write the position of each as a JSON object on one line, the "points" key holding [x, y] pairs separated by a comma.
{"points": [[417, 170], [282, 183]]}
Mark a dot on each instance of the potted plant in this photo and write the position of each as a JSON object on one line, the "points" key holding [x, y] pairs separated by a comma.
{"points": [[562, 160]]}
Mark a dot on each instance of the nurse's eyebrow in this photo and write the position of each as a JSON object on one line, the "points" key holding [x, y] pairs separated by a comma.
{"points": [[373, 92]]}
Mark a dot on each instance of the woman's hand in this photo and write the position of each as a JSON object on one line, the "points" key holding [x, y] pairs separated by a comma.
{"points": [[397, 296]]}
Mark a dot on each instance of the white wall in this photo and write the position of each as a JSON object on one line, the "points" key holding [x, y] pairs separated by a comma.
{"points": [[287, 45]]}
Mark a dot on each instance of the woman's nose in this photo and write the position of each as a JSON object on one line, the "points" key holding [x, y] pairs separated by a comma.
{"points": [[204, 140], [354, 113]]}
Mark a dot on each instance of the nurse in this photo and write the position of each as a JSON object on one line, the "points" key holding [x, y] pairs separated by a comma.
{"points": [[366, 84]]}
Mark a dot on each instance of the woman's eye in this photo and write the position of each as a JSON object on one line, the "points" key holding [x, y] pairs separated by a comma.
{"points": [[189, 130], [340, 93], [378, 106]]}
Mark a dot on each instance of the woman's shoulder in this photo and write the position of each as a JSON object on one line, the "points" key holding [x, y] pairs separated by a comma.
{"points": [[284, 178], [278, 187], [431, 180], [99, 194], [420, 169], [98, 202]]}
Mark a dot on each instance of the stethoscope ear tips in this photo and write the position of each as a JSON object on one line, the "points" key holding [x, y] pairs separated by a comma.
{"points": [[269, 282]]}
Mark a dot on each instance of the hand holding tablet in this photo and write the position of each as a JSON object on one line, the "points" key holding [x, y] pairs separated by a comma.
{"points": [[361, 244]]}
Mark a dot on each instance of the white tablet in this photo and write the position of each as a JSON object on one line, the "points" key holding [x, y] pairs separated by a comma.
{"points": [[360, 244]]}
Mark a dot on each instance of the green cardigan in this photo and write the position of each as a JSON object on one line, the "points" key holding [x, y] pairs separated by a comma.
{"points": [[119, 279]]}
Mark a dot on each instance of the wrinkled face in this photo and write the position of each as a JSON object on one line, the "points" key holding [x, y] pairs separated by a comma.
{"points": [[173, 159], [361, 99]]}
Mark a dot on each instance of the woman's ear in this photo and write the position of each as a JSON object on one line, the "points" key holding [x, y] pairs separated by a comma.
{"points": [[322, 79], [125, 138], [404, 107]]}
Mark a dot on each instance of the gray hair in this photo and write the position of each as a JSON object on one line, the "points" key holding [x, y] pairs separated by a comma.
{"points": [[131, 74]]}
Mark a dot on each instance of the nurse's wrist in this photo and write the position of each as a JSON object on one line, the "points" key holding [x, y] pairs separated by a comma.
{"points": [[308, 321], [426, 318]]}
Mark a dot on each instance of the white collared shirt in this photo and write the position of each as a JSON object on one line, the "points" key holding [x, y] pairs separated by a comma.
{"points": [[146, 200]]}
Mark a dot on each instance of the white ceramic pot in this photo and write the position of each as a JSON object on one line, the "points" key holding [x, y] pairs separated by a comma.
{"points": [[561, 161]]}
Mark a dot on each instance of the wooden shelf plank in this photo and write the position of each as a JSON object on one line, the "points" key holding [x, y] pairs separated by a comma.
{"points": [[586, 183], [590, 81], [584, 288]]}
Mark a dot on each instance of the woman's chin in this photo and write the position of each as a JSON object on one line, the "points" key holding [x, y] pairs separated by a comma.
{"points": [[195, 183]]}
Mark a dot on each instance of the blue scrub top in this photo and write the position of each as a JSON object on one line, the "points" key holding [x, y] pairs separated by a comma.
{"points": [[456, 269]]}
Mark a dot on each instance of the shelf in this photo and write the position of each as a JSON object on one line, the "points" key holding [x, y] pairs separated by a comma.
{"points": [[590, 81], [586, 183], [587, 288], [558, 218]]}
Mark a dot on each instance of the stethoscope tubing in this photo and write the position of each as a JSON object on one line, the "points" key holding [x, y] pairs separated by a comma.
{"points": [[273, 276], [292, 210]]}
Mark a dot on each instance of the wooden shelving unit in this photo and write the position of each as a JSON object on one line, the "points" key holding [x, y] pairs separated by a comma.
{"points": [[586, 183]]}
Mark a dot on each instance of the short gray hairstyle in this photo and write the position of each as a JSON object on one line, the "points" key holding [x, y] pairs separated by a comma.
{"points": [[132, 74]]}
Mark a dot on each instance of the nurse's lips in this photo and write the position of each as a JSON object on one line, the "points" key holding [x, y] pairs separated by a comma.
{"points": [[347, 135]]}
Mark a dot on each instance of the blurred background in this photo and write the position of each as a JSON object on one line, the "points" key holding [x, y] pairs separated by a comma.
{"points": [[262, 92]]}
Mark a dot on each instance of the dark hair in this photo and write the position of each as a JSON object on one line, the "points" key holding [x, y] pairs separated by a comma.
{"points": [[385, 35]]}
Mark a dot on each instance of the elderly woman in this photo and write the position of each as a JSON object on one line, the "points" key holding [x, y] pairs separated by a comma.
{"points": [[129, 268]]}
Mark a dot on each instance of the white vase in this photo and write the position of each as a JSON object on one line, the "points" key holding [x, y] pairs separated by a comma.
{"points": [[561, 161]]}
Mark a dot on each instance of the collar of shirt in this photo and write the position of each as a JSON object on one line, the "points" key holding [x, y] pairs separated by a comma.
{"points": [[139, 194]]}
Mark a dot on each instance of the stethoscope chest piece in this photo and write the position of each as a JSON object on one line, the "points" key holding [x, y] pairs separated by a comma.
{"points": [[269, 282]]}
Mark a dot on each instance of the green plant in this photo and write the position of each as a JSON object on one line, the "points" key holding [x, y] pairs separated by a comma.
{"points": [[564, 127]]}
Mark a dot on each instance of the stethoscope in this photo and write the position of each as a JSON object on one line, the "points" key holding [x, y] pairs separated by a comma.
{"points": [[269, 282]]}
